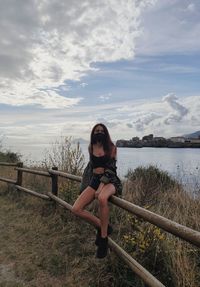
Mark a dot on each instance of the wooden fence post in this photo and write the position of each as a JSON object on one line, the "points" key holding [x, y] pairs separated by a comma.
{"points": [[54, 182], [19, 174]]}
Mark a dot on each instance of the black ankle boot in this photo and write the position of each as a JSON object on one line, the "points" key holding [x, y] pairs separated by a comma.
{"points": [[98, 235], [102, 249]]}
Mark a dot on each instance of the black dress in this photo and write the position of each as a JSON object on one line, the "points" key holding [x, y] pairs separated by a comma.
{"points": [[109, 176]]}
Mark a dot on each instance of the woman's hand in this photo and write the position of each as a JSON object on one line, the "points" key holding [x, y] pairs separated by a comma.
{"points": [[96, 194]]}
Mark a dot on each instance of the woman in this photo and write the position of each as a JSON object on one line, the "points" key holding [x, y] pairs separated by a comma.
{"points": [[99, 181]]}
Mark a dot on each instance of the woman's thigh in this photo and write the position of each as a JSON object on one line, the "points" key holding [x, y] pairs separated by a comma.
{"points": [[107, 191], [85, 198]]}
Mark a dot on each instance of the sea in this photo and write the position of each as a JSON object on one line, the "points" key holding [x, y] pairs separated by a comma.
{"points": [[181, 163]]}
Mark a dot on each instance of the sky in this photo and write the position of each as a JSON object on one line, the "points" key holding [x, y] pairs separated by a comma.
{"points": [[67, 65]]}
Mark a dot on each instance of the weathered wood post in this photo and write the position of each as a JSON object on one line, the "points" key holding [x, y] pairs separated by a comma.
{"points": [[54, 185], [19, 174], [54, 182]]}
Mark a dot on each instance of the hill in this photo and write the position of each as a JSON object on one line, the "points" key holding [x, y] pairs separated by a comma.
{"points": [[194, 135]]}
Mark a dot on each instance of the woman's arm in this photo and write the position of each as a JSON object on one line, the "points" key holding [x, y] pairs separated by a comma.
{"points": [[110, 169], [114, 152]]}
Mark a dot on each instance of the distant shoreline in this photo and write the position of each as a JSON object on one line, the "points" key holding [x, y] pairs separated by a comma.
{"points": [[166, 144], [160, 142], [159, 146]]}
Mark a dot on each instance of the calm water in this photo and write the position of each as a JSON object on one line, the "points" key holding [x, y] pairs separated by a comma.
{"points": [[183, 164]]}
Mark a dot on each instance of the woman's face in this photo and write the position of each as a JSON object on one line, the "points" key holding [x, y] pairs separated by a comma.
{"points": [[99, 129]]}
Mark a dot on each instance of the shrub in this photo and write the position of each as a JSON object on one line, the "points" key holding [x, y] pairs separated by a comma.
{"points": [[8, 156], [66, 156], [148, 183]]}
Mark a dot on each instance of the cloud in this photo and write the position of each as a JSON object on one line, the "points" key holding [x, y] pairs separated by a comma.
{"points": [[191, 7], [105, 97], [83, 85], [179, 110], [50, 42], [193, 117], [170, 27], [109, 123], [47, 99], [145, 120], [169, 116]]}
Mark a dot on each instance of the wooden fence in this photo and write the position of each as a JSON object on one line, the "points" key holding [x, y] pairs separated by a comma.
{"points": [[170, 226]]}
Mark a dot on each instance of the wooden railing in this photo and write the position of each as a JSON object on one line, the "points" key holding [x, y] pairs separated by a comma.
{"points": [[181, 231]]}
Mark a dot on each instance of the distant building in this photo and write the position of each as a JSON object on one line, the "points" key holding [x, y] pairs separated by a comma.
{"points": [[188, 140], [122, 143], [159, 139], [178, 139], [135, 139], [148, 138]]}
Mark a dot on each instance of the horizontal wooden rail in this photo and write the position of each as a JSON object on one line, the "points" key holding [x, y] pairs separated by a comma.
{"points": [[43, 196], [33, 171], [177, 229], [146, 276], [138, 269], [60, 201], [66, 175], [8, 180], [8, 164]]}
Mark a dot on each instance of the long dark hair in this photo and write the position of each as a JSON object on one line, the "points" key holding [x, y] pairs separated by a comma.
{"points": [[107, 145]]}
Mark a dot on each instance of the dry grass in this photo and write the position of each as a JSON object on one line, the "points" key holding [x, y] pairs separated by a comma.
{"points": [[159, 251]]}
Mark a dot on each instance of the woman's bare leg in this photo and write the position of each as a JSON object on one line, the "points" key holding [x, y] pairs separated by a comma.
{"points": [[85, 198], [103, 197]]}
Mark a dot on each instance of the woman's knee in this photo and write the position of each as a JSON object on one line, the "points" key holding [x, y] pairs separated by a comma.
{"points": [[105, 194], [103, 200], [76, 209]]}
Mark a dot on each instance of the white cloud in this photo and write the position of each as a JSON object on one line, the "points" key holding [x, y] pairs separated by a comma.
{"points": [[83, 85], [169, 116], [145, 120], [191, 7], [48, 99], [179, 110], [50, 42], [170, 27], [105, 97]]}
